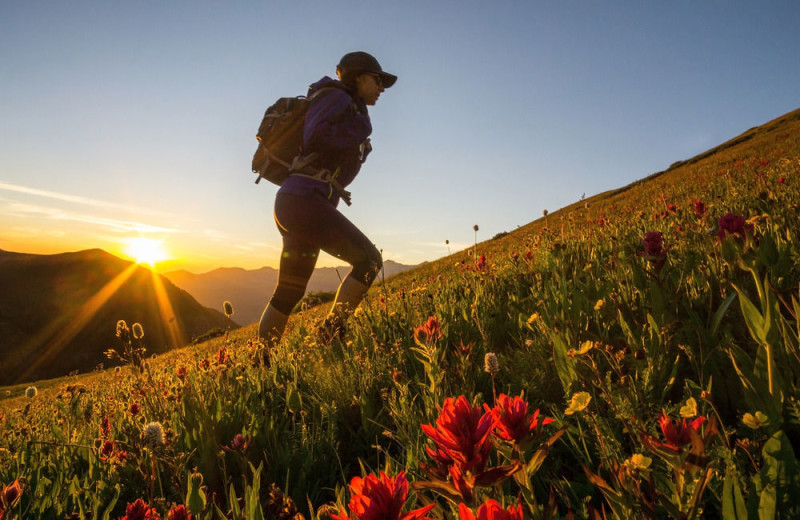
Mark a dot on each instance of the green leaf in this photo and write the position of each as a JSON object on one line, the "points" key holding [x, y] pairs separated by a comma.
{"points": [[716, 320]]}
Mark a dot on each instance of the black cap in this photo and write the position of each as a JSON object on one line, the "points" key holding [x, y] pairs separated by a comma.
{"points": [[363, 62]]}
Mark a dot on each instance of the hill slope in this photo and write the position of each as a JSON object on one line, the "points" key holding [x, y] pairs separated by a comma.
{"points": [[249, 290], [58, 312]]}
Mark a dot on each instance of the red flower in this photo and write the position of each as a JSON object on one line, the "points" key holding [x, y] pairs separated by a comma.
{"points": [[134, 408], [10, 496], [182, 372], [429, 332], [179, 513], [654, 251], [672, 207], [106, 450], [205, 364], [462, 434], [481, 263], [512, 422], [380, 498], [678, 434], [222, 356], [140, 510], [491, 510], [105, 427], [731, 224], [781, 180], [698, 208]]}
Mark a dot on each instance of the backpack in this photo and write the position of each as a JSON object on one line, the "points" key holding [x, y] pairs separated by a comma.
{"points": [[280, 138]]}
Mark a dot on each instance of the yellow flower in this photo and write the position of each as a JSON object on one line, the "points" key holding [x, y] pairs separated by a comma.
{"points": [[586, 346], [638, 462], [578, 403], [755, 421], [599, 305], [534, 318], [689, 410]]}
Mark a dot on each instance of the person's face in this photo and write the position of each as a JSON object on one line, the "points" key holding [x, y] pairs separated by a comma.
{"points": [[369, 86]]}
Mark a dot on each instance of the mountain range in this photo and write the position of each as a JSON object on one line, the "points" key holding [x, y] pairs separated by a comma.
{"points": [[250, 290], [58, 313]]}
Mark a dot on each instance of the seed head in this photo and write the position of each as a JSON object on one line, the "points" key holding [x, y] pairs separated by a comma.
{"points": [[228, 308], [31, 392], [153, 434], [491, 365], [138, 331]]}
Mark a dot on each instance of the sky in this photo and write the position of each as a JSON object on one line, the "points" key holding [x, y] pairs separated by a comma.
{"points": [[123, 121]]}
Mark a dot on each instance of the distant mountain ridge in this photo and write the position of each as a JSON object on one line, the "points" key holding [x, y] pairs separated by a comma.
{"points": [[249, 290], [58, 313]]}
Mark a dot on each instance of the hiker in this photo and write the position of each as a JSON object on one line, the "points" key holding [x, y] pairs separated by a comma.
{"points": [[336, 134]]}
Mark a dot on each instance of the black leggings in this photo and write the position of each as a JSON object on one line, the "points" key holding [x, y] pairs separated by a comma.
{"points": [[308, 226]]}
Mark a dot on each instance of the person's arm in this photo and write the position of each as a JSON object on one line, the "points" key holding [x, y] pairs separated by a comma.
{"points": [[332, 124]]}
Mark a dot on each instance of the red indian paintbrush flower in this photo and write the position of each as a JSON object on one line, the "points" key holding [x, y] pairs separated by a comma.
{"points": [[734, 225], [179, 513], [462, 433], [10, 496], [380, 498], [678, 433], [698, 208], [140, 510], [428, 332], [512, 422], [654, 251], [491, 510]]}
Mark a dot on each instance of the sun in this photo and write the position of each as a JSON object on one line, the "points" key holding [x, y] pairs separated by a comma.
{"points": [[146, 250]]}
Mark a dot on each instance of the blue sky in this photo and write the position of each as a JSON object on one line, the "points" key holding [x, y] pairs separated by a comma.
{"points": [[128, 119]]}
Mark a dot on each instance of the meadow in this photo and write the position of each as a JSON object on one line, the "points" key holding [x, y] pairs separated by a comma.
{"points": [[633, 355]]}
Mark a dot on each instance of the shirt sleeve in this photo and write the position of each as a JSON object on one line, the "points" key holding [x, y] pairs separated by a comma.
{"points": [[333, 123]]}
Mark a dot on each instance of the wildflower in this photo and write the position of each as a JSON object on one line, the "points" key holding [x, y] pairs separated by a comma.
{"points": [[638, 462], [528, 255], [461, 434], [123, 332], [179, 512], [755, 421], [182, 372], [578, 403], [106, 450], [654, 251], [153, 434], [534, 318], [140, 510], [481, 263], [31, 392], [491, 510], [380, 498], [781, 180], [586, 346], [475, 228], [205, 364], [227, 307], [490, 364], [429, 332], [134, 408], [10, 496], [222, 356], [138, 331], [544, 212], [672, 207], [698, 208], [599, 304], [512, 422], [731, 224], [678, 434], [689, 409], [238, 444]]}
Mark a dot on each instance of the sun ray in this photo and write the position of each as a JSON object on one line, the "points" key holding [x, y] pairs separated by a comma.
{"points": [[168, 318]]}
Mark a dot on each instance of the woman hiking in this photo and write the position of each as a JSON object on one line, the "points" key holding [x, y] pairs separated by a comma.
{"points": [[335, 145]]}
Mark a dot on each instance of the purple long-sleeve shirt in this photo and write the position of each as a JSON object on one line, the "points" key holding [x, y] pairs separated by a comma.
{"points": [[336, 128]]}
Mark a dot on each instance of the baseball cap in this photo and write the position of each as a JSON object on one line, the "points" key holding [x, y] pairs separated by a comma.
{"points": [[361, 61]]}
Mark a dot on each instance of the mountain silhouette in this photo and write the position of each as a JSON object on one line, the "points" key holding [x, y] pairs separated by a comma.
{"points": [[58, 313], [250, 290]]}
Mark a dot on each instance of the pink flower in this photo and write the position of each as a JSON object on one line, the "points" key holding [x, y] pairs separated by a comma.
{"points": [[380, 498]]}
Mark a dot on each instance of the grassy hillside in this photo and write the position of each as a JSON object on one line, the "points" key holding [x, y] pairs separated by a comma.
{"points": [[633, 355], [58, 312]]}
